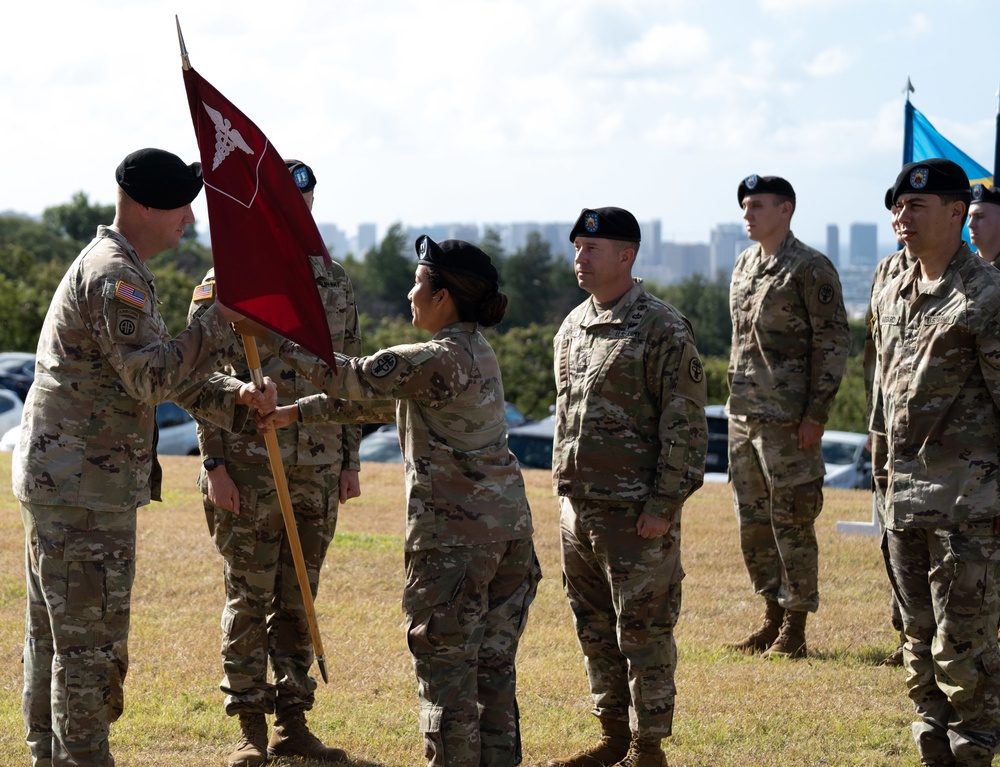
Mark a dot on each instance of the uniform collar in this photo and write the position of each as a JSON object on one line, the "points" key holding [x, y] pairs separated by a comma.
{"points": [[118, 237]]}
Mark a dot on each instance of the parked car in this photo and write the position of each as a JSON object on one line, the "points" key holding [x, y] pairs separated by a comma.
{"points": [[846, 455], [848, 460], [178, 430], [17, 372], [10, 410], [532, 443], [382, 444]]}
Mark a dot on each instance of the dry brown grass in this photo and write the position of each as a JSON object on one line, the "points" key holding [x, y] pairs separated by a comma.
{"points": [[836, 708]]}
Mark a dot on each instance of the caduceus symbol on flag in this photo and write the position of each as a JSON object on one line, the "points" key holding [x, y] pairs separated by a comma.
{"points": [[262, 237]]}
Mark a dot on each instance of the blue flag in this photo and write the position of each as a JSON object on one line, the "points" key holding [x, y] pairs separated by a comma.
{"points": [[921, 141]]}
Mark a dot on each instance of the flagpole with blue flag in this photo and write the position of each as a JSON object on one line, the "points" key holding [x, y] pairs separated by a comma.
{"points": [[922, 141]]}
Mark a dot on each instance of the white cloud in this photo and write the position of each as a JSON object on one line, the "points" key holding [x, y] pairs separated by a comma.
{"points": [[830, 61]]}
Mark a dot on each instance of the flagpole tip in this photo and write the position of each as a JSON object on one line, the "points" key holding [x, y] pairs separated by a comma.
{"points": [[185, 61]]}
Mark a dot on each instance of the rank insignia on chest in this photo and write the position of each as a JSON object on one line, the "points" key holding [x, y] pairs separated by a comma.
{"points": [[130, 295], [204, 291]]}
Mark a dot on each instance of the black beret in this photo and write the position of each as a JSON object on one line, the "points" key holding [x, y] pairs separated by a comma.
{"points": [[456, 256], [934, 176], [983, 193], [303, 175], [755, 184], [159, 179], [606, 224]]}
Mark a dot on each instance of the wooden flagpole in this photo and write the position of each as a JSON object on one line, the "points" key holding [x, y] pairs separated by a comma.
{"points": [[278, 472]]}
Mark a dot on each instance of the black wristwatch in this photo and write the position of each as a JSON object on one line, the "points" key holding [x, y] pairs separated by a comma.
{"points": [[213, 463]]}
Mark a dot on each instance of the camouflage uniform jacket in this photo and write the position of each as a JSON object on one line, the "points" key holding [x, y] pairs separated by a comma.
{"points": [[104, 361], [886, 271], [790, 334], [630, 405], [314, 440], [938, 373], [463, 485]]}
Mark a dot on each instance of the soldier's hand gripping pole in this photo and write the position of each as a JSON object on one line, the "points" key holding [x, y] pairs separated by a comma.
{"points": [[287, 513]]}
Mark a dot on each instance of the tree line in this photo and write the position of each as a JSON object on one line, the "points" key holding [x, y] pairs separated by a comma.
{"points": [[541, 289]]}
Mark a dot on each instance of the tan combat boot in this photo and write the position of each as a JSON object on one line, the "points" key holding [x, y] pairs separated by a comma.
{"points": [[791, 642], [644, 752], [291, 737], [763, 637], [251, 750], [610, 749]]}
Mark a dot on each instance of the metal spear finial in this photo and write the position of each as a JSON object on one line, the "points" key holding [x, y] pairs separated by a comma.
{"points": [[185, 61]]}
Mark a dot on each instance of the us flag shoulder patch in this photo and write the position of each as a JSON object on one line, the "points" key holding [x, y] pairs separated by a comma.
{"points": [[204, 291], [131, 295]]}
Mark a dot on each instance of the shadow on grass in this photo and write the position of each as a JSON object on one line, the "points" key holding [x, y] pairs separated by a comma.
{"points": [[865, 656]]}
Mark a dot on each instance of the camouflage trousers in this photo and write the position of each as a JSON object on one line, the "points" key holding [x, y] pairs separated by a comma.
{"points": [[79, 567], [946, 582], [466, 608], [625, 594], [777, 494], [264, 616]]}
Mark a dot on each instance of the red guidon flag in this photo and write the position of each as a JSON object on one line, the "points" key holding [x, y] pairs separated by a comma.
{"points": [[262, 231]]}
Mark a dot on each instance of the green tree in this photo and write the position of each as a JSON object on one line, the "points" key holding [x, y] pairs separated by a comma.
{"points": [[492, 245], [78, 219], [706, 305], [26, 288], [540, 288], [381, 287], [38, 239]]}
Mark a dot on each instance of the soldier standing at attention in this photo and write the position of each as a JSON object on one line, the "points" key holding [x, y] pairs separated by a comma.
{"points": [[629, 449], [888, 268], [87, 455], [264, 618], [790, 347], [471, 571], [984, 222], [936, 431]]}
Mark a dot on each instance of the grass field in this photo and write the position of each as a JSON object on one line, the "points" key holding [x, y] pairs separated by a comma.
{"points": [[836, 708]]}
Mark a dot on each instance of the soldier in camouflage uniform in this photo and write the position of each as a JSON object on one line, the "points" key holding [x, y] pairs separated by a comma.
{"points": [[888, 268], [790, 347], [86, 456], [264, 615], [471, 570], [984, 222], [936, 431], [629, 449]]}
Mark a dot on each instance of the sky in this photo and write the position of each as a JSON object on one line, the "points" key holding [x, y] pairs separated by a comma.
{"points": [[472, 111]]}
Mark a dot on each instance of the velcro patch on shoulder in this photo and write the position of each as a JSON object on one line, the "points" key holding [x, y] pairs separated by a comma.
{"points": [[691, 383], [383, 364], [131, 294], [204, 292]]}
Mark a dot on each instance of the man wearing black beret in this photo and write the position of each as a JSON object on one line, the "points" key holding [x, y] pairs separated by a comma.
{"points": [[790, 346], [87, 453], [984, 222], [629, 449], [935, 435]]}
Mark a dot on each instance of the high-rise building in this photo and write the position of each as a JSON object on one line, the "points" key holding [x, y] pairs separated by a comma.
{"points": [[864, 244], [833, 244], [727, 242], [367, 238]]}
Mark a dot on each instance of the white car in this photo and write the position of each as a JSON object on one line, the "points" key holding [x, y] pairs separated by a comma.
{"points": [[178, 430]]}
